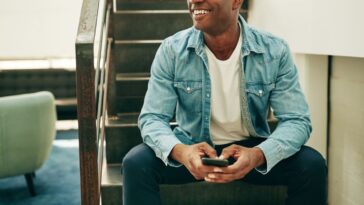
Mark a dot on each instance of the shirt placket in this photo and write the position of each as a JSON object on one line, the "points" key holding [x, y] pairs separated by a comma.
{"points": [[206, 99], [245, 114]]}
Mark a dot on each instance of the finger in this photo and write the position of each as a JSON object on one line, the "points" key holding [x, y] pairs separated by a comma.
{"points": [[233, 174], [210, 169], [228, 152], [200, 168], [208, 150], [238, 166], [221, 176], [194, 170], [204, 169], [197, 176], [215, 180]]}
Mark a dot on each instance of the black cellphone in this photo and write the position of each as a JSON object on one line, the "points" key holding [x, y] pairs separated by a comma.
{"points": [[215, 162]]}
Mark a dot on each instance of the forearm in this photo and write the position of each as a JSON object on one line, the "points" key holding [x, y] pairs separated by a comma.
{"points": [[178, 152]]}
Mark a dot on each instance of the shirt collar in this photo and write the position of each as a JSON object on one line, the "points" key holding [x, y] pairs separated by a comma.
{"points": [[250, 44]]}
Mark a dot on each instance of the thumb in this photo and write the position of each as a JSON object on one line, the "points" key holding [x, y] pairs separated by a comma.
{"points": [[226, 153], [208, 150]]}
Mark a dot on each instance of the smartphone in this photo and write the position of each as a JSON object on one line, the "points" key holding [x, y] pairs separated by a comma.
{"points": [[215, 162]]}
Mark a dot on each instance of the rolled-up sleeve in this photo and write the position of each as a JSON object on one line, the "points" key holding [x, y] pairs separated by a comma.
{"points": [[291, 109], [159, 106]]}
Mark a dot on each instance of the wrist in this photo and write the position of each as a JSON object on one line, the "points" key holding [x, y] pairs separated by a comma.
{"points": [[259, 156], [177, 152]]}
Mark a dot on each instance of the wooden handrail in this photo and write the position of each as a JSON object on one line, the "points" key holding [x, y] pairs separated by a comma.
{"points": [[86, 96]]}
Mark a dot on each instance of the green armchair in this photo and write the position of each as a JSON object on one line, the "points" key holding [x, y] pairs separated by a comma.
{"points": [[27, 131]]}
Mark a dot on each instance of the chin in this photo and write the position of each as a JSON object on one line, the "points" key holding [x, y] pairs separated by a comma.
{"points": [[199, 27]]}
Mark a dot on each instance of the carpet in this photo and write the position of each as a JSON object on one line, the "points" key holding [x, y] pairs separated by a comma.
{"points": [[57, 182]]}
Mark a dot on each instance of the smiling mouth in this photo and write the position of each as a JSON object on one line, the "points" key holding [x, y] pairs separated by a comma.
{"points": [[200, 12]]}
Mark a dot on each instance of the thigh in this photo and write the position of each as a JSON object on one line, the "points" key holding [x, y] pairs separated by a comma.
{"points": [[306, 163], [143, 159]]}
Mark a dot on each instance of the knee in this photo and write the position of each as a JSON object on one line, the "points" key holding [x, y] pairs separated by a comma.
{"points": [[315, 165], [137, 159]]}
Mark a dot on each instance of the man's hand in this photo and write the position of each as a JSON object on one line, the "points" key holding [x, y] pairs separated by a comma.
{"points": [[190, 157], [246, 160]]}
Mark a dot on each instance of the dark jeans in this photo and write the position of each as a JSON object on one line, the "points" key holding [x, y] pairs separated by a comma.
{"points": [[304, 174]]}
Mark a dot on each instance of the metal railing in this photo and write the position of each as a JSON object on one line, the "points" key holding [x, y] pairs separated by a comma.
{"points": [[93, 47]]}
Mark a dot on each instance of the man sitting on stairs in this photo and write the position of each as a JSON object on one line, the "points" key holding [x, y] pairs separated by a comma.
{"points": [[219, 80]]}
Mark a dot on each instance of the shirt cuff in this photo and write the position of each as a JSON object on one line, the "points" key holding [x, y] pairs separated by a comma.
{"points": [[273, 154], [163, 147]]}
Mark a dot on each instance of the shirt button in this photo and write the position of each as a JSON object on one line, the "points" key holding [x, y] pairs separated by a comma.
{"points": [[206, 118], [188, 89], [208, 95], [260, 92]]}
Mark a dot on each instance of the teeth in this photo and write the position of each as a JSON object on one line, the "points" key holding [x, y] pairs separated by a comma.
{"points": [[198, 12]]}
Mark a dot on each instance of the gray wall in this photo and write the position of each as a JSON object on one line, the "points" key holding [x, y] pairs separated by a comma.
{"points": [[313, 74], [346, 145]]}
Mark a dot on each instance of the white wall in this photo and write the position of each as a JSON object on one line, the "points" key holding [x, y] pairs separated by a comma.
{"points": [[325, 27], [38, 29]]}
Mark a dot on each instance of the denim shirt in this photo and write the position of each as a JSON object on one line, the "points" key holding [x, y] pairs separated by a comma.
{"points": [[180, 88]]}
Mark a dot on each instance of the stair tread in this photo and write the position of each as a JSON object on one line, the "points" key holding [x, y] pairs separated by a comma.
{"points": [[122, 120], [132, 76], [126, 120], [111, 175]]}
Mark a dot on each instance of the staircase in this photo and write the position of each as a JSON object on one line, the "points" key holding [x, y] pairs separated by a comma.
{"points": [[135, 30]]}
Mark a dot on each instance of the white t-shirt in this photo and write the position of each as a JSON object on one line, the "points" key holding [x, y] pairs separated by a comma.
{"points": [[226, 120]]}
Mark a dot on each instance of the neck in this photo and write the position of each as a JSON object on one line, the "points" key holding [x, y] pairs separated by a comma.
{"points": [[223, 44]]}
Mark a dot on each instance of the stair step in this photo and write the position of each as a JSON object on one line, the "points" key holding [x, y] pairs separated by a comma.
{"points": [[150, 4], [237, 193], [132, 25], [121, 77], [134, 56], [125, 105], [122, 134], [131, 84], [155, 4]]}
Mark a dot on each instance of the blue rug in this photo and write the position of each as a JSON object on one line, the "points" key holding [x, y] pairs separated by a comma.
{"points": [[57, 182]]}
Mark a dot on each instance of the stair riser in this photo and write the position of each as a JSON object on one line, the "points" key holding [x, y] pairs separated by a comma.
{"points": [[126, 105], [151, 4], [156, 4], [236, 193], [134, 58], [143, 26], [119, 141], [135, 27], [131, 89]]}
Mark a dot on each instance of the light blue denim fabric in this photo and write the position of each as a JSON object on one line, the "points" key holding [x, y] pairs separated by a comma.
{"points": [[180, 87]]}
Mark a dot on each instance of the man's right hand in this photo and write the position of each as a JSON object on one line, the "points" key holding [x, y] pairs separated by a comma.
{"points": [[190, 156]]}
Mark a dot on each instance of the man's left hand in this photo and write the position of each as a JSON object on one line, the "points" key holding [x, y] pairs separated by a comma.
{"points": [[246, 160]]}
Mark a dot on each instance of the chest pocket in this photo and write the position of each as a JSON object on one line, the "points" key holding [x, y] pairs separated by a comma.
{"points": [[258, 94], [189, 95]]}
